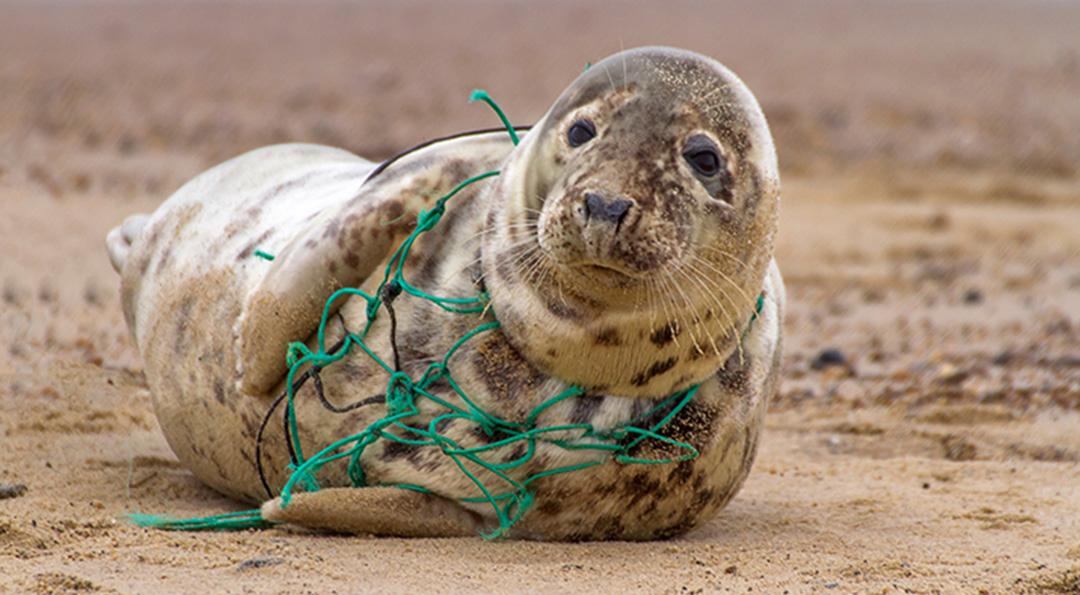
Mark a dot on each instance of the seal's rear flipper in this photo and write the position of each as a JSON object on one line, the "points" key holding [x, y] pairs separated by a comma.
{"points": [[119, 241], [385, 511]]}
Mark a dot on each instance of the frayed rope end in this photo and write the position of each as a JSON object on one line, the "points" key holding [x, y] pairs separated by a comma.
{"points": [[237, 521]]}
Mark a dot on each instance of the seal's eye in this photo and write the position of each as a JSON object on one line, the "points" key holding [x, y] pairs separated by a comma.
{"points": [[708, 163], [703, 155], [581, 132]]}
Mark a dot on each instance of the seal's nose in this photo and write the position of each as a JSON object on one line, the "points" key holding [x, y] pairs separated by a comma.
{"points": [[598, 209]]}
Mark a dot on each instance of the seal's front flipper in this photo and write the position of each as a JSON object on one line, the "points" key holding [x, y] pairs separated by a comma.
{"points": [[342, 245], [385, 511]]}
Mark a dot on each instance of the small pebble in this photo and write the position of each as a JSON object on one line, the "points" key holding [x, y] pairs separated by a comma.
{"points": [[1067, 361], [94, 295], [13, 293], [259, 563], [47, 292], [1003, 358], [12, 491], [829, 357], [939, 221], [951, 375]]}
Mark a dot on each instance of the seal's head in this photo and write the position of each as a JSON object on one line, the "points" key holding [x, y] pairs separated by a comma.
{"points": [[629, 235]]}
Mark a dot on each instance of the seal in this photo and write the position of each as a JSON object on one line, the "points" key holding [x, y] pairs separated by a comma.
{"points": [[624, 249]]}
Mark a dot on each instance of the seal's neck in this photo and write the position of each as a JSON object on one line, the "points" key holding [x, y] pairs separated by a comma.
{"points": [[649, 340]]}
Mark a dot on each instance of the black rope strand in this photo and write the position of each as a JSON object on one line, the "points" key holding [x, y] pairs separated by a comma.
{"points": [[259, 441], [313, 373], [390, 291], [380, 398]]}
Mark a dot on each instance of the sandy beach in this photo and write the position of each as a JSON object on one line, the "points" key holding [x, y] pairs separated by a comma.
{"points": [[930, 239]]}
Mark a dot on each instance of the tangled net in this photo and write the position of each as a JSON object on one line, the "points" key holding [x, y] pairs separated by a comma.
{"points": [[514, 497]]}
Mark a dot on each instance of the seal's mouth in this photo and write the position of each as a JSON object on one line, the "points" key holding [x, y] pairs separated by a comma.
{"points": [[609, 274]]}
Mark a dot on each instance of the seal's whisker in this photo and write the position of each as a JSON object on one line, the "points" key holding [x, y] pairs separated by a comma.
{"points": [[733, 320], [625, 77], [484, 231], [546, 269], [688, 308], [713, 268], [665, 297], [611, 79], [516, 249], [650, 290], [529, 241], [718, 251], [699, 323], [704, 282], [667, 281], [713, 282], [533, 265], [710, 296], [529, 259], [661, 300], [655, 296], [638, 296]]}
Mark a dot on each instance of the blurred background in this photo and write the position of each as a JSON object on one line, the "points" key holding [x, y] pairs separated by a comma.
{"points": [[956, 85]]}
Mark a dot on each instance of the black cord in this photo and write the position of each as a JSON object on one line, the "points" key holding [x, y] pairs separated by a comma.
{"points": [[313, 373], [258, 444], [390, 291]]}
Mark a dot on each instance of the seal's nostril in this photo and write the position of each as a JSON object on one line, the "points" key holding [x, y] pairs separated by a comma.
{"points": [[598, 209]]}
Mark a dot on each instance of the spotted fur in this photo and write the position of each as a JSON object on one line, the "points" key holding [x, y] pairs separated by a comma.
{"points": [[612, 264]]}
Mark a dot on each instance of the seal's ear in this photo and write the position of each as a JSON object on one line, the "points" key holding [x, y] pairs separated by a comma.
{"points": [[345, 243]]}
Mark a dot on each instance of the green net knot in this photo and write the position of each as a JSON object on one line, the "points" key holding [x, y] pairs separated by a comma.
{"points": [[296, 352], [372, 309], [399, 394], [427, 219]]}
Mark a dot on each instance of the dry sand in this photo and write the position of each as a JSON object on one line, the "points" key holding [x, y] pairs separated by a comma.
{"points": [[930, 233]]}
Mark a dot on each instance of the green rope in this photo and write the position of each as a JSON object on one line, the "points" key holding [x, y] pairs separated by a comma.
{"points": [[249, 519], [263, 255], [514, 497], [482, 95], [753, 317]]}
